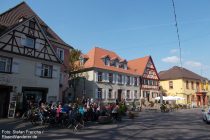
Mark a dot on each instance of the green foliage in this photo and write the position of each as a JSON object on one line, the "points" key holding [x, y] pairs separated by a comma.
{"points": [[122, 109], [74, 57]]}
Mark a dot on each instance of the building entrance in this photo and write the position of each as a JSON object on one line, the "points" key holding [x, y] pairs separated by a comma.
{"points": [[34, 95], [4, 100], [119, 95]]}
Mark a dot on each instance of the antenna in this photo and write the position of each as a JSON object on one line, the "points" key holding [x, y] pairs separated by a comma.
{"points": [[177, 31]]}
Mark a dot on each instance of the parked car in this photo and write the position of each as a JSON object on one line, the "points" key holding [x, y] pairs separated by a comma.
{"points": [[206, 115]]}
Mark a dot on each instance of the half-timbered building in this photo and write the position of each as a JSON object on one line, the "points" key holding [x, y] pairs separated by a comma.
{"points": [[32, 59], [149, 77]]}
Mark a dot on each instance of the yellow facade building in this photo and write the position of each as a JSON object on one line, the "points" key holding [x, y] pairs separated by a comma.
{"points": [[184, 83]]}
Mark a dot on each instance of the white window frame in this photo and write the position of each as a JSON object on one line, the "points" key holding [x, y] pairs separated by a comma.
{"points": [[25, 41], [100, 93], [128, 92], [60, 55], [7, 64], [110, 77], [49, 70], [100, 76]]}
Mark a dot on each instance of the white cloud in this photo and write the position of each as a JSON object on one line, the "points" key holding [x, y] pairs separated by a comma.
{"points": [[171, 59], [193, 64], [174, 51]]}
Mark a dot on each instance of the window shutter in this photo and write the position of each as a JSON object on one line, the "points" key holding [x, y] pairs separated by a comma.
{"points": [[55, 71], [38, 69], [107, 93], [126, 79], [103, 93], [133, 92], [114, 78], [15, 65], [131, 80], [107, 77], [122, 79], [96, 93], [103, 77], [113, 94], [96, 76]]}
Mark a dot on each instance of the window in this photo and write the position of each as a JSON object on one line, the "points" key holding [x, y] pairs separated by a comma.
{"points": [[107, 61], [119, 78], [121, 65], [125, 66], [135, 94], [31, 25], [150, 82], [99, 93], [144, 94], [110, 94], [110, 77], [46, 71], [154, 94], [170, 84], [99, 76], [28, 42], [128, 94], [113, 63], [197, 85], [155, 83], [135, 81], [5, 64], [187, 85], [146, 82], [128, 80], [60, 53], [192, 85]]}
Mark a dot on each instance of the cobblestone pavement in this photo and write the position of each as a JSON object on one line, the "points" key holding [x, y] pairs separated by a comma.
{"points": [[179, 125]]}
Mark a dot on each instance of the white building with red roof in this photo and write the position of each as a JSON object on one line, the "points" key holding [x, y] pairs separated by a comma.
{"points": [[110, 77]]}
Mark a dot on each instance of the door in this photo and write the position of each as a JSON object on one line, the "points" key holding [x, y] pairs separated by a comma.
{"points": [[148, 95], [4, 100], [119, 95]]}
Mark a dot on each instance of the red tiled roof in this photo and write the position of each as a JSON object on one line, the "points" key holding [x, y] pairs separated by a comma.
{"points": [[139, 64], [95, 61], [22, 10]]}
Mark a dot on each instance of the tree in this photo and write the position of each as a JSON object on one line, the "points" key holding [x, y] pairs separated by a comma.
{"points": [[74, 68]]}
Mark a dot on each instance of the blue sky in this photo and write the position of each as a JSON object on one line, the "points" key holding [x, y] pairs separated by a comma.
{"points": [[132, 28]]}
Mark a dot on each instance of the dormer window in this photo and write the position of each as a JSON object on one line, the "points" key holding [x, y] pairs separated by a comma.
{"points": [[115, 62], [107, 61], [81, 61], [125, 66]]}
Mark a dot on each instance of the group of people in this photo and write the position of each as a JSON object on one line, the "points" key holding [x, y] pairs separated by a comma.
{"points": [[85, 108]]}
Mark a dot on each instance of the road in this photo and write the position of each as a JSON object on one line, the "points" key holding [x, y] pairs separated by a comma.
{"points": [[179, 125]]}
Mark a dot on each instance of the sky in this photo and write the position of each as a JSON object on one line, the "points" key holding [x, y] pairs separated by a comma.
{"points": [[132, 28]]}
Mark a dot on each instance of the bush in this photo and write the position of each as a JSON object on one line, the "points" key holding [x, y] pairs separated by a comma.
{"points": [[122, 109]]}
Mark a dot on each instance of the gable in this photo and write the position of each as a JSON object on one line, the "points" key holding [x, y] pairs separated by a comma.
{"points": [[150, 71], [28, 39]]}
